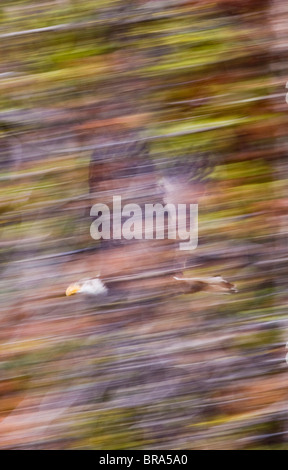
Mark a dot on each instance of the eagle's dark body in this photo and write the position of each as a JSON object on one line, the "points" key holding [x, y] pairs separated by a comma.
{"points": [[121, 165]]}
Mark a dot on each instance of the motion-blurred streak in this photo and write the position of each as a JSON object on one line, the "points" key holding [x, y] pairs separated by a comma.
{"points": [[156, 102]]}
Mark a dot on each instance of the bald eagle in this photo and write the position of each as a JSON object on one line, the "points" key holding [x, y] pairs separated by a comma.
{"points": [[122, 166], [96, 287]]}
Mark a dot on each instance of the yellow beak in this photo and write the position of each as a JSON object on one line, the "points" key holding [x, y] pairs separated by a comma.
{"points": [[73, 289]]}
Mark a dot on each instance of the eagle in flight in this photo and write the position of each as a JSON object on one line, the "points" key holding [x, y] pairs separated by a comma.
{"points": [[121, 165]]}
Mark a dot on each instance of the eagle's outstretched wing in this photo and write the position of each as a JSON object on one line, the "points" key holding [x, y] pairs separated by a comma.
{"points": [[116, 159]]}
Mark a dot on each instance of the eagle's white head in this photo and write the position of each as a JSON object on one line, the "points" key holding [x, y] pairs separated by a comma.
{"points": [[89, 286]]}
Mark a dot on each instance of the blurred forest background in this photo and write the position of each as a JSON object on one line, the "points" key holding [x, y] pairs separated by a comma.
{"points": [[201, 84]]}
